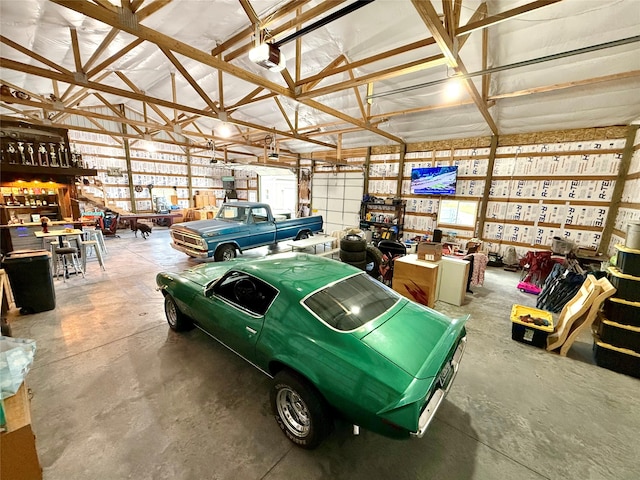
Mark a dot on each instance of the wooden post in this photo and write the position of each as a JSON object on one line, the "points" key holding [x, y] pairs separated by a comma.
{"points": [[187, 151], [487, 187], [367, 161], [127, 155], [403, 151]]}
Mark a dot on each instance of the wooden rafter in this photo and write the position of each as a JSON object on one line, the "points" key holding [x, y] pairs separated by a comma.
{"points": [[134, 88], [151, 9], [116, 56], [264, 23], [284, 114], [431, 20], [287, 26], [176, 63], [106, 41], [411, 67], [502, 16], [13, 65], [561, 86], [365, 61], [325, 71], [76, 49], [34, 55], [251, 13], [136, 4], [145, 33], [117, 112], [359, 98], [106, 4]]}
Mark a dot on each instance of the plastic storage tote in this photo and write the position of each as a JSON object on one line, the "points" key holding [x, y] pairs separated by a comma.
{"points": [[620, 360], [620, 335], [29, 273], [623, 311], [531, 325], [628, 286], [628, 260]]}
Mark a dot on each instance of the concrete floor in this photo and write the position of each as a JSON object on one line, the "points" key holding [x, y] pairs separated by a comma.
{"points": [[118, 395]]}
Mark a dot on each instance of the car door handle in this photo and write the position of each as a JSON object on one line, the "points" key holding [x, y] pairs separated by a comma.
{"points": [[252, 331]]}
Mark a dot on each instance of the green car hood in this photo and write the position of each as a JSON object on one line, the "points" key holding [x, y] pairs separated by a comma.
{"points": [[416, 339]]}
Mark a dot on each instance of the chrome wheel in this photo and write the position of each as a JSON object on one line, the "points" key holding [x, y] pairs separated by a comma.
{"points": [[294, 412], [172, 313], [228, 255]]}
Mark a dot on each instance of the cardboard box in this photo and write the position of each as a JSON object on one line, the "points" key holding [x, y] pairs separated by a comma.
{"points": [[429, 251], [416, 279], [18, 455]]}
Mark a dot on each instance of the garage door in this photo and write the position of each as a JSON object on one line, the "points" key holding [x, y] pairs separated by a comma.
{"points": [[337, 196]]}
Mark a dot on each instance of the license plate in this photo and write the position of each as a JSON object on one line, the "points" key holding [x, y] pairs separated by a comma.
{"points": [[445, 373]]}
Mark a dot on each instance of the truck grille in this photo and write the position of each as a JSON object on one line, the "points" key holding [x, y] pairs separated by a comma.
{"points": [[187, 239]]}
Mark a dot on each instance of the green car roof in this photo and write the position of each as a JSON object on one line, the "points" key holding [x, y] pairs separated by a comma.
{"points": [[305, 273]]}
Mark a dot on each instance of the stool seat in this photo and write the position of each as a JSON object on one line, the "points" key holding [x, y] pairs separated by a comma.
{"points": [[65, 257], [65, 250]]}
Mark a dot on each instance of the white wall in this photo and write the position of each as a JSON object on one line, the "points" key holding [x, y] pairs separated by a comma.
{"points": [[337, 197]]}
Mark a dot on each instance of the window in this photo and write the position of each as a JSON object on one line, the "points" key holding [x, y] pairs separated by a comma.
{"points": [[458, 212], [246, 291], [259, 215], [351, 303]]}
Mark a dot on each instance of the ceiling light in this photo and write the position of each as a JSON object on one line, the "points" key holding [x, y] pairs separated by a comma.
{"points": [[224, 130], [268, 56], [453, 88]]}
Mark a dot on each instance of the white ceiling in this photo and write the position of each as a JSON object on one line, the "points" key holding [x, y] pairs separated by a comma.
{"points": [[520, 100]]}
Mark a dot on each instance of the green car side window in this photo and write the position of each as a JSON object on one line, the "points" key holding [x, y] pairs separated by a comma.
{"points": [[350, 303], [246, 291]]}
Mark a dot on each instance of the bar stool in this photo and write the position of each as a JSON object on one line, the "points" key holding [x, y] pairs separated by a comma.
{"points": [[96, 235], [63, 256], [88, 246]]}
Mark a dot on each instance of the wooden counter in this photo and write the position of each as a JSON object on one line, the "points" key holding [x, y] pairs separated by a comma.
{"points": [[21, 236]]}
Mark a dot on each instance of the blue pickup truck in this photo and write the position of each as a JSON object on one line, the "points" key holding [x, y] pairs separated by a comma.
{"points": [[239, 226]]}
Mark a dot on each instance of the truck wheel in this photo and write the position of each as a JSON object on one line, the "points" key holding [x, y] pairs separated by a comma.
{"points": [[225, 253], [353, 243], [302, 235]]}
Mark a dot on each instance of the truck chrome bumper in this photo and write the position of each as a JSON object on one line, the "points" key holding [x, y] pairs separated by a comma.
{"points": [[439, 395], [189, 251]]}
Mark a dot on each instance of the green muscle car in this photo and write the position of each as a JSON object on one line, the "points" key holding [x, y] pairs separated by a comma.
{"points": [[335, 341]]}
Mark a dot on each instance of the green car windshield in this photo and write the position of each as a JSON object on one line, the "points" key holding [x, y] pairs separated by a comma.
{"points": [[352, 302]]}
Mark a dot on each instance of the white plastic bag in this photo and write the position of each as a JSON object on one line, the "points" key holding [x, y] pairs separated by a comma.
{"points": [[16, 357]]}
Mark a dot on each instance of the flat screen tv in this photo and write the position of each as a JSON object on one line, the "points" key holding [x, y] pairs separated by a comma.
{"points": [[434, 180]]}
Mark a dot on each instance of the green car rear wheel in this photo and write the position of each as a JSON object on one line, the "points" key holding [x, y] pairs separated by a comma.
{"points": [[301, 413]]}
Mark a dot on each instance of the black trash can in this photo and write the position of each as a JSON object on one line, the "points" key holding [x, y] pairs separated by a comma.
{"points": [[29, 272]]}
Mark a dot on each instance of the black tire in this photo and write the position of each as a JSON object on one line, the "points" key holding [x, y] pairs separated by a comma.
{"points": [[301, 412], [303, 235], [360, 265], [353, 243], [225, 253], [177, 320], [350, 257], [374, 260]]}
